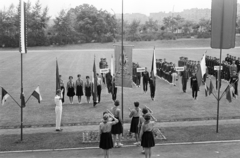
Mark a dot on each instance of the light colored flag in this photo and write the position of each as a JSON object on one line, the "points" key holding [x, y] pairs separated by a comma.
{"points": [[201, 71], [36, 93], [23, 27], [211, 87], [4, 96], [154, 69]]}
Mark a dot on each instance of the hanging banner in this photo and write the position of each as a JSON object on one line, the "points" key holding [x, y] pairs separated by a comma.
{"points": [[127, 65]]}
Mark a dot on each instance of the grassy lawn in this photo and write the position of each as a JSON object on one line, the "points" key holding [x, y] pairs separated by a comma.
{"points": [[74, 140], [39, 69]]}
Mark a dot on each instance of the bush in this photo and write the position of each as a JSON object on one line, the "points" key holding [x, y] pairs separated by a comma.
{"points": [[204, 35], [166, 36]]}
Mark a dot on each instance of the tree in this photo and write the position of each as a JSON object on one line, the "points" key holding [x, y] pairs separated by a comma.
{"points": [[204, 25], [151, 25], [187, 26]]}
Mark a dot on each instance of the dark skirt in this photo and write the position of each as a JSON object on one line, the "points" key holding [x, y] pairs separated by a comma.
{"points": [[134, 125], [70, 92], [79, 91], [117, 128], [88, 91], [147, 140], [106, 141]]}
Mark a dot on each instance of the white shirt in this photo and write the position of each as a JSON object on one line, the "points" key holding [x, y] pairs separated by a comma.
{"points": [[58, 100], [99, 81]]}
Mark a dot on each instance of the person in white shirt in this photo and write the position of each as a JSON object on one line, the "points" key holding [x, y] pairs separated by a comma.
{"points": [[99, 87], [58, 109]]}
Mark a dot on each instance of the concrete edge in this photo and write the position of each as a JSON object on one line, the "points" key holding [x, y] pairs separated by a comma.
{"points": [[125, 146]]}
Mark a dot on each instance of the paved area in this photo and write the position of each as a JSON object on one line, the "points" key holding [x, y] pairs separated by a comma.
{"points": [[126, 126], [215, 150]]}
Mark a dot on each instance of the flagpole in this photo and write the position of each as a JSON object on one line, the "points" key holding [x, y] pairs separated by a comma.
{"points": [[21, 98], [122, 61], [219, 69]]}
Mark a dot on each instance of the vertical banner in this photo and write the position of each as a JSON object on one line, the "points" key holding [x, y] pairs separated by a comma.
{"points": [[127, 65], [23, 28]]}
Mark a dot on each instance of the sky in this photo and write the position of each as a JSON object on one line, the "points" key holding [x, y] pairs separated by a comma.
{"points": [[115, 6]]}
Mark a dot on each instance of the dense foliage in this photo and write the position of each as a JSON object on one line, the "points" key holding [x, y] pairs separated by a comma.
{"points": [[85, 23]]}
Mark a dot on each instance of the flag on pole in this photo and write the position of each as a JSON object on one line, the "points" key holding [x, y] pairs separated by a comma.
{"points": [[23, 28], [112, 68], [4, 96], [211, 87], [228, 94], [57, 77], [36, 93], [22, 97], [154, 69], [201, 71], [206, 90], [94, 80]]}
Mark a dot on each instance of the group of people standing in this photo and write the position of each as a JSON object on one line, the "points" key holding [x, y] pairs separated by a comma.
{"points": [[79, 88], [167, 71], [110, 129]]}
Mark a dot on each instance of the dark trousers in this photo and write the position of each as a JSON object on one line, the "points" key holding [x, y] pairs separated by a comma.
{"points": [[138, 80], [114, 94], [103, 78], [152, 91], [184, 84], [145, 84], [109, 86], [194, 93], [236, 88], [99, 89]]}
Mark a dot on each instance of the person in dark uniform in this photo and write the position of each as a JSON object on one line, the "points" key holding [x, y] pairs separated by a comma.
{"points": [[114, 89], [105, 126], [194, 86], [234, 83], [146, 135], [145, 76], [109, 81], [185, 77], [152, 85], [227, 58], [117, 129], [70, 89], [238, 65], [87, 88], [233, 67], [79, 88], [134, 114], [138, 78], [62, 87], [99, 87]]}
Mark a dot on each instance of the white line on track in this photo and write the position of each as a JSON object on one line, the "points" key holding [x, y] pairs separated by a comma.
{"points": [[125, 146], [111, 50]]}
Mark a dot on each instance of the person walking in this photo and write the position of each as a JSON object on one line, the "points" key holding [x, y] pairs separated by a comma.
{"points": [[145, 76], [146, 135], [70, 89], [109, 81], [185, 77], [117, 129], [79, 88], [62, 87], [58, 109], [87, 89], [105, 126], [99, 87], [114, 89], [152, 85], [234, 84], [194, 85]]}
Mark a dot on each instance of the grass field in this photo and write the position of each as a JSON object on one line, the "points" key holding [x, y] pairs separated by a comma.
{"points": [[39, 69], [74, 139]]}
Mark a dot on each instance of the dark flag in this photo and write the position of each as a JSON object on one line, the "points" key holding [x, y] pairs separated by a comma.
{"points": [[94, 88], [57, 77], [22, 97], [4, 96]]}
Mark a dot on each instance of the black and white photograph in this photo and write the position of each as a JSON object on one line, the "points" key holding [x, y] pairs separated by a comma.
{"points": [[119, 78]]}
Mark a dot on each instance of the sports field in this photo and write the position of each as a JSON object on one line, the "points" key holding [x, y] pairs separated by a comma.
{"points": [[39, 69]]}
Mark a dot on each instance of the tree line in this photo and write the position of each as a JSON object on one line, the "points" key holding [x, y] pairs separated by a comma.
{"points": [[85, 24]]}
